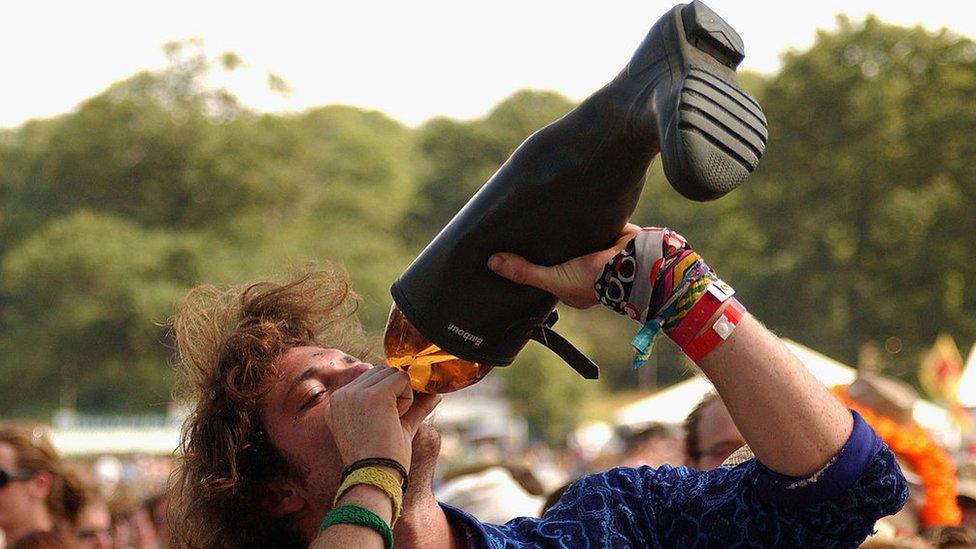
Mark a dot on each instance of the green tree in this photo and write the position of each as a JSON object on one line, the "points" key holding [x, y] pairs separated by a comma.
{"points": [[459, 157], [111, 212], [866, 189], [85, 296]]}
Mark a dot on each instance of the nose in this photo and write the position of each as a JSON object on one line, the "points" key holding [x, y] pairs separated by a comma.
{"points": [[350, 372]]}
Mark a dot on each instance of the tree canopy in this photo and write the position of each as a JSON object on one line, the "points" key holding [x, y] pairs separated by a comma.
{"points": [[856, 228]]}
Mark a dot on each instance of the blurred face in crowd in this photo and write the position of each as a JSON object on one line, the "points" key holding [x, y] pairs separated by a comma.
{"points": [[143, 529], [294, 416], [718, 437], [122, 530], [22, 501], [93, 526], [968, 507]]}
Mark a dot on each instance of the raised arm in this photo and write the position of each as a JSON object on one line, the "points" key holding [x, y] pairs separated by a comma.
{"points": [[791, 421]]}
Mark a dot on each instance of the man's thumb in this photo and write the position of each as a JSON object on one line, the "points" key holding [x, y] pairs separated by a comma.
{"points": [[423, 405]]}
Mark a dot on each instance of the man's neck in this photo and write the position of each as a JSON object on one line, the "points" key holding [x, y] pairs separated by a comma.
{"points": [[424, 524]]}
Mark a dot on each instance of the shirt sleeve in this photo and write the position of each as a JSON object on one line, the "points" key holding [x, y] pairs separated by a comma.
{"points": [[747, 505], [836, 507]]}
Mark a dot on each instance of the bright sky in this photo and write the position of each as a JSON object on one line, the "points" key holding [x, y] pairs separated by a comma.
{"points": [[412, 60]]}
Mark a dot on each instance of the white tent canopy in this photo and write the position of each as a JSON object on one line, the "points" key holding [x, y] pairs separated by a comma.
{"points": [[672, 405], [86, 442], [967, 381]]}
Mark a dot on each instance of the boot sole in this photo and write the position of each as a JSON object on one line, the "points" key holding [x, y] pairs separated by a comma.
{"points": [[714, 133]]}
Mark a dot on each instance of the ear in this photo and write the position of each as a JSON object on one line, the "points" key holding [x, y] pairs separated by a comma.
{"points": [[281, 500], [40, 485]]}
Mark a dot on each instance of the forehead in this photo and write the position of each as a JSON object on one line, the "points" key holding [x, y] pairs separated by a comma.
{"points": [[716, 423], [96, 511], [295, 359]]}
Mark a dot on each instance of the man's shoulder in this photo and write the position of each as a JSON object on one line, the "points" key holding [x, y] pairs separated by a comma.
{"points": [[629, 478]]}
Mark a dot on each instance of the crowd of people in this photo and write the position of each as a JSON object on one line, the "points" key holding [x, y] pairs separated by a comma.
{"points": [[48, 502]]}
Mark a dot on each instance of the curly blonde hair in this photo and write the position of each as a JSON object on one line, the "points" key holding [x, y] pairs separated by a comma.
{"points": [[229, 342]]}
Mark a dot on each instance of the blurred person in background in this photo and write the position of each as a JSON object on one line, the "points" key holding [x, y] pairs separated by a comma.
{"points": [[52, 539], [157, 506], [280, 410], [93, 523], [966, 492], [122, 505], [144, 534], [952, 537], [132, 524], [37, 492], [654, 445], [493, 492], [710, 434]]}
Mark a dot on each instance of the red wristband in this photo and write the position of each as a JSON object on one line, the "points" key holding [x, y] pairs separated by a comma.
{"points": [[715, 295], [717, 333]]}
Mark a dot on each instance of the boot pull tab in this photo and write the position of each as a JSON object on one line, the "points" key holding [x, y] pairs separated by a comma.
{"points": [[556, 343]]}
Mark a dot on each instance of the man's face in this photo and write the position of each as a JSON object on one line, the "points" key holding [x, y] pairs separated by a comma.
{"points": [[718, 437], [294, 415], [93, 526], [20, 500]]}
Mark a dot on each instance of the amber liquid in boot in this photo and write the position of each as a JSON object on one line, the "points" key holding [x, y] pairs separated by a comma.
{"points": [[431, 369]]}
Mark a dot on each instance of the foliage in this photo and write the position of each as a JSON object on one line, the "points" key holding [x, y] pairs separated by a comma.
{"points": [[84, 296], [856, 228]]}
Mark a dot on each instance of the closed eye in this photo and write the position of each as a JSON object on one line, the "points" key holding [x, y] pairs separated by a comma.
{"points": [[312, 399]]}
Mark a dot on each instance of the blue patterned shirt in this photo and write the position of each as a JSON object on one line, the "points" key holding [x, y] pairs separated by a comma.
{"points": [[743, 506]]}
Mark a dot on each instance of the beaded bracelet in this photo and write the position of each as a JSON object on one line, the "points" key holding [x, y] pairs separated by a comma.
{"points": [[359, 516]]}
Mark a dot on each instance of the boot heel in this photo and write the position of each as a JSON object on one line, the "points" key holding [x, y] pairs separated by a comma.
{"points": [[708, 32]]}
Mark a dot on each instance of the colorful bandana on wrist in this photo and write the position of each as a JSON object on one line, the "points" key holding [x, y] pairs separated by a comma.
{"points": [[655, 279]]}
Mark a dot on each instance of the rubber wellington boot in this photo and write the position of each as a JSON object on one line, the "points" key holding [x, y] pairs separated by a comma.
{"points": [[568, 190]]}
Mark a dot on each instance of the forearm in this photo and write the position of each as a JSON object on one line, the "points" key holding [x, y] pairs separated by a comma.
{"points": [[793, 424], [349, 535]]}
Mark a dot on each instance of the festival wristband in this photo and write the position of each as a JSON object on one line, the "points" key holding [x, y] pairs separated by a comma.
{"points": [[359, 516], [715, 295], [374, 476], [626, 282], [717, 333]]}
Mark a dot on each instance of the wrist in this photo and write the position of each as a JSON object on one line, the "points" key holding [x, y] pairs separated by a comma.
{"points": [[660, 281], [396, 468], [375, 477], [370, 497], [716, 332]]}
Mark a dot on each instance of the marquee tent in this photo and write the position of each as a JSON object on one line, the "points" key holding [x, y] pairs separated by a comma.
{"points": [[672, 405]]}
